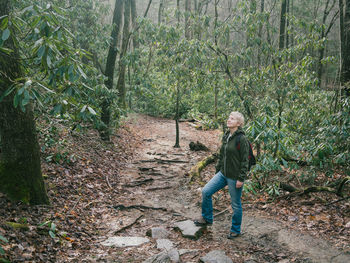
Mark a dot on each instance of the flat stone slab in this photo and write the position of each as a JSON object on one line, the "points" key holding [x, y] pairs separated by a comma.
{"points": [[171, 256], [158, 232], [164, 244], [189, 229], [125, 241], [216, 256]]}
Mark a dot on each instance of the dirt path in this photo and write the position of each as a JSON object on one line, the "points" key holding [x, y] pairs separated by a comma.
{"points": [[156, 178]]}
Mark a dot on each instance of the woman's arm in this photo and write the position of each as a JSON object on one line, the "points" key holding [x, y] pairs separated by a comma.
{"points": [[244, 153]]}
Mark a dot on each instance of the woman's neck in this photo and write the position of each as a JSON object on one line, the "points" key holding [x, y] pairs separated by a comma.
{"points": [[232, 130]]}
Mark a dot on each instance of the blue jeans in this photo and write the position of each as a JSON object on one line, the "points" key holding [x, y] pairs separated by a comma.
{"points": [[218, 182]]}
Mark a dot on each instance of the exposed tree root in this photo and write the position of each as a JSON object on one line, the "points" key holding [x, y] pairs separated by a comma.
{"points": [[159, 188], [138, 183], [130, 225], [337, 201], [163, 161], [123, 207]]}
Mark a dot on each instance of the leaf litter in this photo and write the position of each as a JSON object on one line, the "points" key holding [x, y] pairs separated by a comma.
{"points": [[90, 184]]}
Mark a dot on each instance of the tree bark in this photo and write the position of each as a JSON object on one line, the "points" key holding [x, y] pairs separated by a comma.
{"points": [[282, 25], [122, 65], [187, 19], [324, 33], [20, 168], [135, 41], [110, 66], [262, 10], [178, 11], [344, 11], [147, 9], [216, 21], [160, 11], [196, 170], [287, 23], [177, 116]]}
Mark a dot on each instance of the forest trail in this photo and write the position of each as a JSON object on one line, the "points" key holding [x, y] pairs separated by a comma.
{"points": [[156, 185]]}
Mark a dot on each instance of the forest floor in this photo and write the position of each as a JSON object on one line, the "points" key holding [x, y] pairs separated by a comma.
{"points": [[139, 182]]}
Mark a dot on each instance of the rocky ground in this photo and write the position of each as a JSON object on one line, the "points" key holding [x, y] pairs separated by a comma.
{"points": [[123, 202]]}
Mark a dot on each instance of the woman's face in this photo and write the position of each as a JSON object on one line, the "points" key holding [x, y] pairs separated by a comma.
{"points": [[232, 122]]}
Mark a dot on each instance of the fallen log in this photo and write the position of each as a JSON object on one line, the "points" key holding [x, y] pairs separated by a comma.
{"points": [[293, 191], [196, 170]]}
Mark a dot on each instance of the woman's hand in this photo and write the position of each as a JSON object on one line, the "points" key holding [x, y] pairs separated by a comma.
{"points": [[239, 184]]}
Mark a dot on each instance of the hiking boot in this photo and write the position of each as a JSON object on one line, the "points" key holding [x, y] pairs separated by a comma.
{"points": [[201, 222], [233, 235]]}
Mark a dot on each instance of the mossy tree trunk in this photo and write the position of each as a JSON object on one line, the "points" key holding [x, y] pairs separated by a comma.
{"points": [[110, 66], [20, 169], [344, 20], [122, 65], [135, 41]]}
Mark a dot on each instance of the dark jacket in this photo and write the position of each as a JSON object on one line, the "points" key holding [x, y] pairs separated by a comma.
{"points": [[233, 162]]}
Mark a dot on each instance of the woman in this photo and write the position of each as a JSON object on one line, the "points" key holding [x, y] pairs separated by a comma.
{"points": [[231, 170]]}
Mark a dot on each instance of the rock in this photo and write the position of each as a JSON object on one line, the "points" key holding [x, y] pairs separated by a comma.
{"points": [[165, 257], [174, 255], [164, 243], [125, 241], [189, 229], [347, 225], [198, 146], [216, 256], [158, 232]]}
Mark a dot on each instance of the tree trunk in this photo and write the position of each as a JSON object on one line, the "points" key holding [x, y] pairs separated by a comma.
{"points": [[177, 116], [345, 46], [147, 9], [20, 168], [216, 21], [187, 19], [262, 10], [178, 11], [160, 11], [282, 25], [135, 41], [110, 66], [216, 91], [291, 9], [281, 46], [122, 65], [324, 33], [287, 23]]}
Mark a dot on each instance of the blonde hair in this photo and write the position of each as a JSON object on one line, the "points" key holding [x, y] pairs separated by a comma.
{"points": [[238, 116]]}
